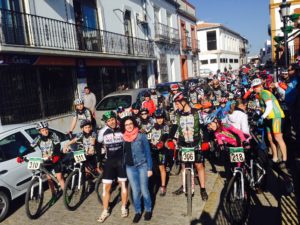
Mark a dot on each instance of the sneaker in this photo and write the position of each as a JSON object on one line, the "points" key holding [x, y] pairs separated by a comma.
{"points": [[147, 216], [282, 165], [179, 191], [124, 212], [53, 200], [103, 216], [137, 218], [204, 195], [163, 191]]}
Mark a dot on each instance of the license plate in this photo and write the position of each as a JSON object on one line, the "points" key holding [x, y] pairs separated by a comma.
{"points": [[237, 155], [79, 156], [187, 154], [34, 163], [149, 136], [216, 103]]}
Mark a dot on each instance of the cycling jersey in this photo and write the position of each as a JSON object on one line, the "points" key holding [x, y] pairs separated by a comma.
{"points": [[193, 97], [86, 142], [146, 125], [188, 127], [112, 140], [49, 145], [276, 112], [84, 114], [229, 134], [158, 133]]}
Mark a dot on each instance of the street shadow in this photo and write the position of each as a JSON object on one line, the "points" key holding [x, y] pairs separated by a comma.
{"points": [[15, 206]]}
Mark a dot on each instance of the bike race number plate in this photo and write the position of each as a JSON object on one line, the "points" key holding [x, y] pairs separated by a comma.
{"points": [[237, 154], [187, 154], [34, 163], [79, 156]]}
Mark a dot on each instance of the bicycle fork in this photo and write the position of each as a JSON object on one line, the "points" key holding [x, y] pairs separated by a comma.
{"points": [[40, 186], [239, 195], [192, 179], [79, 178]]}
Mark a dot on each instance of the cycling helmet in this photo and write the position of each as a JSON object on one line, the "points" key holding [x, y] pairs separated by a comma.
{"points": [[78, 101], [85, 123], [159, 113], [120, 109], [41, 125], [174, 87], [192, 85], [178, 97], [256, 82], [135, 106], [147, 94], [208, 119], [143, 110], [107, 115]]}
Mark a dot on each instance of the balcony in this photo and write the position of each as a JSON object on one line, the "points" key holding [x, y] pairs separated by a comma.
{"points": [[166, 34], [186, 43], [195, 46], [36, 32]]}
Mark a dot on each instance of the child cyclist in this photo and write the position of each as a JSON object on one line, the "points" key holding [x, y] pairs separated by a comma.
{"points": [[87, 140]]}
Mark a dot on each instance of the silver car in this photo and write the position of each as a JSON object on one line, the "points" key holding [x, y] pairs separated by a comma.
{"points": [[15, 177], [119, 98]]}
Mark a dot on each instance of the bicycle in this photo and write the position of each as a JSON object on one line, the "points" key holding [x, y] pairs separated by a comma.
{"points": [[75, 185], [35, 191], [237, 195], [187, 157]]}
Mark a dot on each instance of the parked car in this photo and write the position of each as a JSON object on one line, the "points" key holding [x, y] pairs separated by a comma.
{"points": [[119, 98], [15, 177], [164, 88]]}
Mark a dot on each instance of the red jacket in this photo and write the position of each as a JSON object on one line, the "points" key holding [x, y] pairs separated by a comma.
{"points": [[150, 106]]}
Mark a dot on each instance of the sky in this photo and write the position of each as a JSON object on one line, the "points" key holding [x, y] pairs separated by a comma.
{"points": [[249, 18]]}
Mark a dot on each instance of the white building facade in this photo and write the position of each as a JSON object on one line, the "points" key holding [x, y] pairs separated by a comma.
{"points": [[266, 53], [220, 48]]}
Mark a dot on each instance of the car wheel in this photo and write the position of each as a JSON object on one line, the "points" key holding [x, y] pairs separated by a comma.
{"points": [[4, 205]]}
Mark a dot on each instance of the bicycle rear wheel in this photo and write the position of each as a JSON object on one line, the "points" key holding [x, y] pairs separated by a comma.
{"points": [[189, 192], [74, 190], [236, 205], [34, 199]]}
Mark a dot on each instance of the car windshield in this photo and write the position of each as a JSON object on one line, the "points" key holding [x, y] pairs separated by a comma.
{"points": [[113, 102], [34, 133]]}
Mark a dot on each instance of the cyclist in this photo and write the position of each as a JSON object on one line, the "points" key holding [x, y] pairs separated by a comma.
{"points": [[188, 121], [121, 113], [111, 137], [174, 89], [156, 97], [158, 136], [193, 94], [272, 119], [135, 111], [146, 122], [148, 103], [87, 140], [81, 113], [49, 144]]}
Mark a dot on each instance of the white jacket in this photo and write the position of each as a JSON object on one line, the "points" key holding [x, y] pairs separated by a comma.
{"points": [[239, 120]]}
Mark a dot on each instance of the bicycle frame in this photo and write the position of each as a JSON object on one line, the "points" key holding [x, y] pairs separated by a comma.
{"points": [[191, 168]]}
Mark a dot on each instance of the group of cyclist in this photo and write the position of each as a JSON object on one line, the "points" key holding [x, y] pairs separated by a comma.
{"points": [[212, 110]]}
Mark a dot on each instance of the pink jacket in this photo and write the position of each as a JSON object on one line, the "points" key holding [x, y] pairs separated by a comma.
{"points": [[228, 135]]}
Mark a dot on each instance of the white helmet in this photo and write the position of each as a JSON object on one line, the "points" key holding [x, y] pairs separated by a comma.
{"points": [[41, 125], [256, 82], [78, 101]]}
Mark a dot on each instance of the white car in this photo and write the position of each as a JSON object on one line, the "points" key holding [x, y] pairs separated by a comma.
{"points": [[15, 177], [205, 72]]}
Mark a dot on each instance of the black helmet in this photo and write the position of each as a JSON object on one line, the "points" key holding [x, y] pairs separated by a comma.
{"points": [[144, 110], [159, 113], [85, 123], [135, 106], [147, 94]]}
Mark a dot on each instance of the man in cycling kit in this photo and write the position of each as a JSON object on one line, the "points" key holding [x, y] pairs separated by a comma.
{"points": [[49, 144], [188, 121], [111, 137], [272, 117]]}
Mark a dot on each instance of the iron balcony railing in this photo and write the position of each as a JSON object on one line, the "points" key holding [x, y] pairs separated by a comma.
{"points": [[166, 33], [186, 43], [195, 45], [36, 31]]}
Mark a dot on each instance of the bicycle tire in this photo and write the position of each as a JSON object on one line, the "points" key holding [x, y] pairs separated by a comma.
{"points": [[36, 198], [70, 192], [189, 192], [236, 209]]}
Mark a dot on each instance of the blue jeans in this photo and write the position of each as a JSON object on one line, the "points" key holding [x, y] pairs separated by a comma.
{"points": [[138, 179]]}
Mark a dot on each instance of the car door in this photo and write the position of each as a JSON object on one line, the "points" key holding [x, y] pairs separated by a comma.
{"points": [[12, 173]]}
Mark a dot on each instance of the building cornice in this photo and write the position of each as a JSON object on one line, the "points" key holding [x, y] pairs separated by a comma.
{"points": [[187, 15], [173, 2]]}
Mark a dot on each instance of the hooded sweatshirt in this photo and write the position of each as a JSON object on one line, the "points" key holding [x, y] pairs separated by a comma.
{"points": [[239, 120]]}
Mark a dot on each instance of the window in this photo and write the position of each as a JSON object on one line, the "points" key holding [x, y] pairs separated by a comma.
{"points": [[213, 61], [226, 60], [203, 62], [211, 40], [10, 146], [33, 133], [230, 60], [113, 102], [236, 61]]}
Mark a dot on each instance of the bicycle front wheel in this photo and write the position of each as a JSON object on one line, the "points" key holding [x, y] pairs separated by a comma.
{"points": [[74, 190], [237, 200], [189, 192], [34, 199]]}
